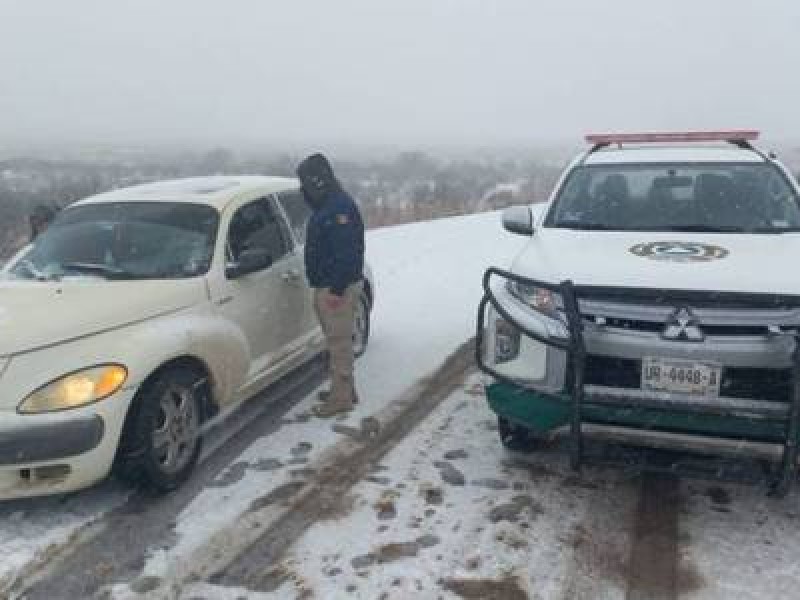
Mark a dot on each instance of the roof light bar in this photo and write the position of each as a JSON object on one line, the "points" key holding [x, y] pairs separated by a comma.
{"points": [[742, 135]]}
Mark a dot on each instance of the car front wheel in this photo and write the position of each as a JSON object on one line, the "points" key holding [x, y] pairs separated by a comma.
{"points": [[162, 440]]}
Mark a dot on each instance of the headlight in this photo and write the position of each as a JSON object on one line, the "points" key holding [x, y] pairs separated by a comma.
{"points": [[539, 299], [76, 389]]}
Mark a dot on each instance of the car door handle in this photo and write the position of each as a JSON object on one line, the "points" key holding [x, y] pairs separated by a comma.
{"points": [[291, 276]]}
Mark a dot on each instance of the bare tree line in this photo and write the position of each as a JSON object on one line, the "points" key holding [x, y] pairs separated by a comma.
{"points": [[407, 187]]}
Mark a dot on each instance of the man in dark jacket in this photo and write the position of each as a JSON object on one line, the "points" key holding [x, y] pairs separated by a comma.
{"points": [[334, 258], [40, 219]]}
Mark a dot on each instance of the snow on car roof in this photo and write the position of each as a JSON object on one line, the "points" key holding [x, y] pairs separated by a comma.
{"points": [[216, 191], [672, 153]]}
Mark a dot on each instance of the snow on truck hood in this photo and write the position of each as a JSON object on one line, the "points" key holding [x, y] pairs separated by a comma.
{"points": [[664, 260], [36, 314]]}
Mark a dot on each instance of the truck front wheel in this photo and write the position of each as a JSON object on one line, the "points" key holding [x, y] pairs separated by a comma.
{"points": [[518, 438]]}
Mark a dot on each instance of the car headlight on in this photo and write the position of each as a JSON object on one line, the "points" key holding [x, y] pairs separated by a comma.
{"points": [[539, 299], [76, 389]]}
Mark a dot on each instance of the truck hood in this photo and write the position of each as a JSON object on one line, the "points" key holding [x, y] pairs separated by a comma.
{"points": [[37, 314], [714, 262]]}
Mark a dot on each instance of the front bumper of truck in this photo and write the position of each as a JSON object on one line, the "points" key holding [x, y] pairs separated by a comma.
{"points": [[576, 363]]}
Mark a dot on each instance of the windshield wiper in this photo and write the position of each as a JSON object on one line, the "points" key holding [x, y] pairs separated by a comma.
{"points": [[774, 230], [589, 227], [106, 271], [727, 229], [700, 229], [31, 270]]}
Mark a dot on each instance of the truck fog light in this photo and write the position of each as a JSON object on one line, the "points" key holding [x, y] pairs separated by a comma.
{"points": [[506, 342]]}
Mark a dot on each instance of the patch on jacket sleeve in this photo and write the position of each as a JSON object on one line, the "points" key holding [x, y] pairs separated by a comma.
{"points": [[342, 219]]}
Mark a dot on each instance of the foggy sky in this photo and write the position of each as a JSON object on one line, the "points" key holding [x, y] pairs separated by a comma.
{"points": [[393, 71]]}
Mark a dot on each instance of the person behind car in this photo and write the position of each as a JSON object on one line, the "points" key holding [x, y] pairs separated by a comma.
{"points": [[334, 260], [40, 219]]}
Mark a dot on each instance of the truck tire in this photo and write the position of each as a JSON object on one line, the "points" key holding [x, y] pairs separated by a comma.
{"points": [[518, 438], [361, 326], [162, 440]]}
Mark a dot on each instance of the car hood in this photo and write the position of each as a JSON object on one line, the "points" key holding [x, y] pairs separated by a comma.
{"points": [[714, 262], [37, 314]]}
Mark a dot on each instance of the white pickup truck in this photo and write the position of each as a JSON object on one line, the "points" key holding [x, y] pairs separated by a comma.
{"points": [[655, 299]]}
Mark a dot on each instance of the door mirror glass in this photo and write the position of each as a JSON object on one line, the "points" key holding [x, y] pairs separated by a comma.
{"points": [[250, 261], [518, 219]]}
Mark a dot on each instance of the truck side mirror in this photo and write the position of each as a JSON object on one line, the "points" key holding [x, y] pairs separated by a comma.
{"points": [[518, 219]]}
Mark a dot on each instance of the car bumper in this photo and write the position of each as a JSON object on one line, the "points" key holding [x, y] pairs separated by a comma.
{"points": [[544, 413], [59, 452]]}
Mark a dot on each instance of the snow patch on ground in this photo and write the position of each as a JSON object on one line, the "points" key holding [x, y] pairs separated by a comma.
{"points": [[412, 534], [29, 527], [739, 543]]}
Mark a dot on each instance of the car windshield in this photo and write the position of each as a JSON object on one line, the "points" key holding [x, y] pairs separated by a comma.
{"points": [[724, 198], [131, 240]]}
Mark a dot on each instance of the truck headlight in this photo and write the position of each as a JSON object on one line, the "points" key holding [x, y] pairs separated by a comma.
{"points": [[539, 299], [76, 389]]}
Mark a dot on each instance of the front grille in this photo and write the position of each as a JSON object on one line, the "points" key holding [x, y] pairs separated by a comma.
{"points": [[761, 384]]}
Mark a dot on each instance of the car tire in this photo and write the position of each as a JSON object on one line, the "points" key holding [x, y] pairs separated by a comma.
{"points": [[518, 438], [361, 326], [162, 439]]}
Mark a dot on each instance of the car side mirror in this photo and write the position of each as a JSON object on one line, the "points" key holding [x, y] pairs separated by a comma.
{"points": [[251, 261], [518, 219]]}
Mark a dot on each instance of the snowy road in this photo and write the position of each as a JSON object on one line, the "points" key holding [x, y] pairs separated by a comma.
{"points": [[410, 496]]}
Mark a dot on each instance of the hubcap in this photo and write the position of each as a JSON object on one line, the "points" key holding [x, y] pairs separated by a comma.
{"points": [[175, 433]]}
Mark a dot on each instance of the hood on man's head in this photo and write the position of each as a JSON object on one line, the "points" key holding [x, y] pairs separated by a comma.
{"points": [[316, 176]]}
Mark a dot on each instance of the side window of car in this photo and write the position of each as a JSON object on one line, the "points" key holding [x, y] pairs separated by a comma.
{"points": [[256, 226], [246, 231], [297, 211]]}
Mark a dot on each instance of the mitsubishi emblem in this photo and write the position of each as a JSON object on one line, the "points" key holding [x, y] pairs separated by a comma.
{"points": [[682, 325]]}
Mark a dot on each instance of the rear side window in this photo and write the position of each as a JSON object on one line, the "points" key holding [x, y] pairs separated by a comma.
{"points": [[297, 212]]}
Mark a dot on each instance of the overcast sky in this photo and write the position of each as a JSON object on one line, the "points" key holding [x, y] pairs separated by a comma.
{"points": [[399, 72]]}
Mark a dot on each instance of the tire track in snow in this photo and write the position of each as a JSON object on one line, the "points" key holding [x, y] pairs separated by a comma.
{"points": [[654, 561], [324, 495]]}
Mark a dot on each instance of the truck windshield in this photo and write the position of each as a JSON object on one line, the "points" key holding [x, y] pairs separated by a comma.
{"points": [[724, 198], [131, 240]]}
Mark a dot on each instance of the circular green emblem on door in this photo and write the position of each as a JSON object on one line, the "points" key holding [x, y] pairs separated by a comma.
{"points": [[679, 251]]}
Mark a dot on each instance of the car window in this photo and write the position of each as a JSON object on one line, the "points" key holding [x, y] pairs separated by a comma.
{"points": [[297, 211], [257, 226]]}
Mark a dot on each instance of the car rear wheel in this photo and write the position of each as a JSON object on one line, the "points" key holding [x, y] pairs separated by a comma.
{"points": [[162, 438], [518, 438], [361, 326]]}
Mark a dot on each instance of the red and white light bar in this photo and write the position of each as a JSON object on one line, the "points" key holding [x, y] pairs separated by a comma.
{"points": [[741, 135]]}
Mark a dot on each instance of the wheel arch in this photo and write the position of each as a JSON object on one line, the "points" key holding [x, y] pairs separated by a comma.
{"points": [[209, 405], [192, 363]]}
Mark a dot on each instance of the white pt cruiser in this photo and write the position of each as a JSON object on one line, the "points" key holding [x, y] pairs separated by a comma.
{"points": [[139, 315]]}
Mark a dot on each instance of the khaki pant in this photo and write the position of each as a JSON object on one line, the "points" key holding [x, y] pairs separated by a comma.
{"points": [[337, 325]]}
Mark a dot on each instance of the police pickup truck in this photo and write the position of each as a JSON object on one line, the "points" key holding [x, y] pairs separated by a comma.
{"points": [[654, 301]]}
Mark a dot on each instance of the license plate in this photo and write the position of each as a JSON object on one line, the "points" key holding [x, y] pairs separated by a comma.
{"points": [[681, 376]]}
